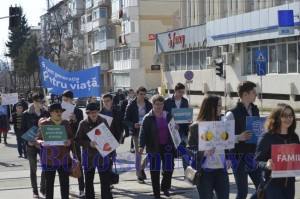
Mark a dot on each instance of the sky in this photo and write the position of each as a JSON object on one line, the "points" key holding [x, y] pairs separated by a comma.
{"points": [[33, 9]]}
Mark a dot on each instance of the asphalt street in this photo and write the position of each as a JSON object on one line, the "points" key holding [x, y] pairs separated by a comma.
{"points": [[15, 181]]}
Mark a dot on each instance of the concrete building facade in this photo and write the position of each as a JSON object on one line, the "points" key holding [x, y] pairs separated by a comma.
{"points": [[232, 31]]}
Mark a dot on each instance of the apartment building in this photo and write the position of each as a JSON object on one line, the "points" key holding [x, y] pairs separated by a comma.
{"points": [[232, 31]]}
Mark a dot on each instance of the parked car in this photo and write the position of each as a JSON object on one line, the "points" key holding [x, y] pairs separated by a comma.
{"points": [[81, 102]]}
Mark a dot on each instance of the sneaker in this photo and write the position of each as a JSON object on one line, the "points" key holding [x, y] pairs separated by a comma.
{"points": [[140, 180], [143, 174], [25, 156], [166, 192], [42, 191], [81, 194], [36, 194]]}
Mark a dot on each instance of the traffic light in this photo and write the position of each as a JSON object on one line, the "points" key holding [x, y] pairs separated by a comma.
{"points": [[14, 17], [219, 69]]}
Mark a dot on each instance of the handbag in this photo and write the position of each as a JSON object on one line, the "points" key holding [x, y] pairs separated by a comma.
{"points": [[75, 171], [260, 193], [192, 176], [114, 175]]}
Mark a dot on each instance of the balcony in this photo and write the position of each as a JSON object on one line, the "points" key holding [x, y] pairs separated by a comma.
{"points": [[89, 26], [103, 2], [116, 17], [88, 4], [99, 22], [127, 64], [129, 12], [78, 10]]}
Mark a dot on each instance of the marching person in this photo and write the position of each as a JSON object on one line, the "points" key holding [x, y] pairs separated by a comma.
{"points": [[280, 129], [242, 150], [30, 118], [155, 136], [74, 120], [178, 101], [55, 158], [92, 159], [211, 163], [134, 114], [4, 121], [16, 119]]}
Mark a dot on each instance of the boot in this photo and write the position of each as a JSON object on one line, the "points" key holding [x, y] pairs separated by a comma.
{"points": [[5, 136]]}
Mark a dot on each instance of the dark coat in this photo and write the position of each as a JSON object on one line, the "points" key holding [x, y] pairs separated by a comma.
{"points": [[263, 153], [240, 113], [83, 140], [149, 137], [116, 127], [4, 119], [132, 115], [170, 104], [79, 117]]}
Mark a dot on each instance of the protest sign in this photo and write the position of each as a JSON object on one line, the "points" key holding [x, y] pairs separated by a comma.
{"points": [[286, 158], [108, 119], [31, 134], [54, 135], [256, 125], [182, 115], [83, 83], [174, 133], [106, 142], [219, 134], [9, 98], [69, 110]]}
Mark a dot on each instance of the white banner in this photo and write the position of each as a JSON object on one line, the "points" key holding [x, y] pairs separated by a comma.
{"points": [[9, 98], [174, 133]]}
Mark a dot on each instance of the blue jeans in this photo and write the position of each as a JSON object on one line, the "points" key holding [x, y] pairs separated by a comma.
{"points": [[241, 179], [213, 180], [280, 192]]}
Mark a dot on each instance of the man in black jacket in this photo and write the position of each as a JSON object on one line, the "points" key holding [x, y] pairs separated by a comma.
{"points": [[30, 118], [134, 115], [75, 119], [243, 153]]}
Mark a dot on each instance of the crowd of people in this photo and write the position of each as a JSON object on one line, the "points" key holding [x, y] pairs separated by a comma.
{"points": [[146, 121]]}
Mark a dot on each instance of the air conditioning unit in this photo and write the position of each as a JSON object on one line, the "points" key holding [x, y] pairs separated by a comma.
{"points": [[223, 49], [227, 58], [234, 48], [209, 61]]}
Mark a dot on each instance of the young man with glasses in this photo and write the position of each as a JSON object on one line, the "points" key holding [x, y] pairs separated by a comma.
{"points": [[134, 114], [244, 151], [75, 118], [30, 118], [178, 101]]}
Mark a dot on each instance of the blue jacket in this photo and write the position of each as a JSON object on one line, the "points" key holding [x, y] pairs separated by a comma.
{"points": [[132, 115], [169, 104]]}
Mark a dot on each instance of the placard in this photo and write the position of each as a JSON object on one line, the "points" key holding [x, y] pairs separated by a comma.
{"points": [[182, 115], [3, 109], [9, 98], [69, 110], [286, 158], [174, 133], [256, 125], [218, 134], [54, 135], [108, 119], [106, 142], [31, 134]]}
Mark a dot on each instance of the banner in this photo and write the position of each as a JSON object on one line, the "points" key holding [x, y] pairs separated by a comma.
{"points": [[174, 133], [286, 158], [216, 134], [182, 115], [83, 83], [31, 134], [54, 135], [106, 142], [9, 98], [256, 125]]}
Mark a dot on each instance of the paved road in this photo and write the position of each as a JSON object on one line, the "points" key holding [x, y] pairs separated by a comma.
{"points": [[15, 182]]}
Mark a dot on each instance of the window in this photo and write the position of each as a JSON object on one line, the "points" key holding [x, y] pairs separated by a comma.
{"points": [[177, 61], [254, 66], [135, 53], [103, 57], [95, 14], [166, 62], [282, 67], [172, 64], [292, 58], [202, 60], [103, 13], [183, 61], [102, 33], [272, 59], [189, 60], [196, 63]]}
